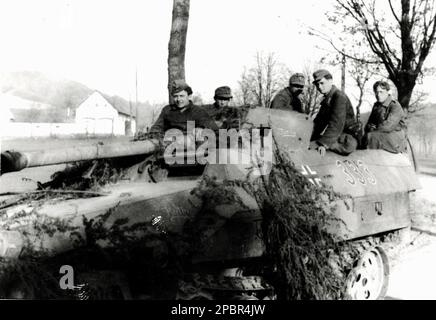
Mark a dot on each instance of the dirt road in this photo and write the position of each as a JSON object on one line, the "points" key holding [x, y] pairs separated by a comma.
{"points": [[414, 276]]}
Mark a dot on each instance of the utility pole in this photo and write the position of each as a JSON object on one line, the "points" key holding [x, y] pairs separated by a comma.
{"points": [[131, 116], [136, 99], [343, 72]]}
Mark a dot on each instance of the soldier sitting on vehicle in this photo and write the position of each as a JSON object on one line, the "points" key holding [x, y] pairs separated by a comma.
{"points": [[335, 123], [225, 116], [386, 127], [289, 97], [177, 114]]}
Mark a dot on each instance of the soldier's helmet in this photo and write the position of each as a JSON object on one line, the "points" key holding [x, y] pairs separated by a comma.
{"points": [[223, 92], [297, 79]]}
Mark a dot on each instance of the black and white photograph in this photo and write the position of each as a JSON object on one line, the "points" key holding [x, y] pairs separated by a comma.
{"points": [[179, 150]]}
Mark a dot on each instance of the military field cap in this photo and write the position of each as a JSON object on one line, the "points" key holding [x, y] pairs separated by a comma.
{"points": [[180, 85], [319, 74], [223, 92], [297, 79]]}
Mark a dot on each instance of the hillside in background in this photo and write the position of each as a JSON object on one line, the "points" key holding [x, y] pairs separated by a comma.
{"points": [[43, 99]]}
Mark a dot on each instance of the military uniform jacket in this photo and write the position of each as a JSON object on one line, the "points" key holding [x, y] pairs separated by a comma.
{"points": [[387, 116], [284, 100], [225, 117], [172, 117], [335, 116], [213, 110]]}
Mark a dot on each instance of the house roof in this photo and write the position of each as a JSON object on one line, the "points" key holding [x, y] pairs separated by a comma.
{"points": [[121, 105]]}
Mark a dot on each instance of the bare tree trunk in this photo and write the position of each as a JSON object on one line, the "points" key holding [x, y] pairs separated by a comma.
{"points": [[415, 26], [269, 84], [343, 73], [244, 86], [259, 83], [260, 80], [310, 95], [177, 43], [405, 84]]}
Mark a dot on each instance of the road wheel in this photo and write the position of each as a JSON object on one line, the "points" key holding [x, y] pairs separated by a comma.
{"points": [[368, 280]]}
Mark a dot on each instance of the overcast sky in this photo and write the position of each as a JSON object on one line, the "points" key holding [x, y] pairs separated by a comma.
{"points": [[101, 42]]}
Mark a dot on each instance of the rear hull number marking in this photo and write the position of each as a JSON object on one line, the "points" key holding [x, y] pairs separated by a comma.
{"points": [[356, 171]]}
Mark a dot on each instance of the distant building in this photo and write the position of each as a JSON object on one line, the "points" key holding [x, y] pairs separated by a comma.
{"points": [[100, 117], [6, 115]]}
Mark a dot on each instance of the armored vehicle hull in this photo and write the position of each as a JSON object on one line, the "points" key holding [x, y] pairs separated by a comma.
{"points": [[376, 186]]}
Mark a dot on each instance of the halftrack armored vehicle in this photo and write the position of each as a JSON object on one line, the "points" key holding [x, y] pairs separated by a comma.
{"points": [[378, 186]]}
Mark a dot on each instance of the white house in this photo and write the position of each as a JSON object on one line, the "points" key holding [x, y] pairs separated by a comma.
{"points": [[100, 117]]}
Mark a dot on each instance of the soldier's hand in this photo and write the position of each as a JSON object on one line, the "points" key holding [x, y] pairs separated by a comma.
{"points": [[315, 146], [322, 150]]}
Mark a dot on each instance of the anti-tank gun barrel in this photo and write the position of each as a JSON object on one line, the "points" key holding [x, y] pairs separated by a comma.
{"points": [[12, 161]]}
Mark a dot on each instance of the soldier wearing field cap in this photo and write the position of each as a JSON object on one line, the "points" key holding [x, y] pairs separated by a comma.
{"points": [[386, 126], [289, 97], [222, 97], [335, 123], [177, 114], [225, 116]]}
